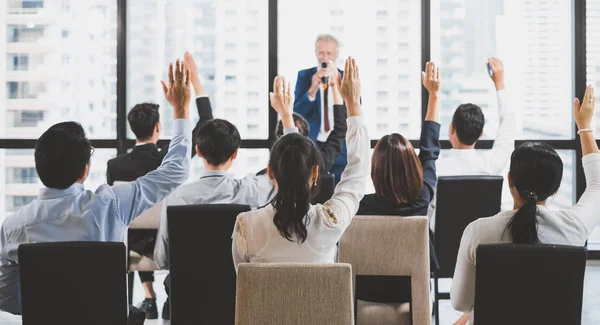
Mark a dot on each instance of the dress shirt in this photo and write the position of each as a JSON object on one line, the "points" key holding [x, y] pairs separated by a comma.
{"points": [[322, 136], [76, 214], [257, 240], [214, 187], [570, 226], [456, 162]]}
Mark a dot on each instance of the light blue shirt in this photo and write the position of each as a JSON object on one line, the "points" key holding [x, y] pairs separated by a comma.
{"points": [[76, 214], [214, 187]]}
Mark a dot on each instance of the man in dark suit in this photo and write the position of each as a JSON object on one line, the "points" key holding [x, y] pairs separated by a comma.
{"points": [[314, 101], [145, 157]]}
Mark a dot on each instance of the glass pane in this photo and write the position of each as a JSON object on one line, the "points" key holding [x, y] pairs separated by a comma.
{"points": [[593, 52], [533, 38], [59, 63], [229, 42], [248, 162], [385, 39], [20, 184]]}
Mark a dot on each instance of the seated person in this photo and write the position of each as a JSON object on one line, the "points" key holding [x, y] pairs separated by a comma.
{"points": [[64, 211], [144, 120], [535, 175], [467, 127], [290, 229], [404, 184]]}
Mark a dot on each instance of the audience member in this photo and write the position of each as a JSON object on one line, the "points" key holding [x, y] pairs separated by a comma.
{"points": [[467, 127], [404, 183], [64, 211], [290, 229], [144, 120], [535, 175]]}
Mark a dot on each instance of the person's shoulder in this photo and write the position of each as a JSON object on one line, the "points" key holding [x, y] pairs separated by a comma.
{"points": [[488, 230], [308, 71], [118, 159]]}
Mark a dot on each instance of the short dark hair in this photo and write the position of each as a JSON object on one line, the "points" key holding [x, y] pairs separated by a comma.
{"points": [[217, 140], [61, 154], [468, 121], [142, 120], [299, 121], [396, 170]]}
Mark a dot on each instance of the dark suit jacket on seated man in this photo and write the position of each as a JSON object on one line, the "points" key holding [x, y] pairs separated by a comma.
{"points": [[310, 99]]}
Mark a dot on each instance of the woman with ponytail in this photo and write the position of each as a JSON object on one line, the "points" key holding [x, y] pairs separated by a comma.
{"points": [[290, 229], [535, 175]]}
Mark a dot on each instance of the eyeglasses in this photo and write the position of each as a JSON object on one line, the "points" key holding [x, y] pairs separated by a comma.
{"points": [[92, 151]]}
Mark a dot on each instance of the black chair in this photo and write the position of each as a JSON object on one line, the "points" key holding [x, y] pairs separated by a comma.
{"points": [[460, 201], [529, 284], [73, 283], [326, 188], [202, 275]]}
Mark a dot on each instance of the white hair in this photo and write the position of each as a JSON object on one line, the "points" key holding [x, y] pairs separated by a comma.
{"points": [[328, 38]]}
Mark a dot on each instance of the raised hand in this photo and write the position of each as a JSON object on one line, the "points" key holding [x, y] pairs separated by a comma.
{"points": [[194, 78], [350, 87], [178, 92], [497, 76], [431, 78], [282, 98], [584, 112]]}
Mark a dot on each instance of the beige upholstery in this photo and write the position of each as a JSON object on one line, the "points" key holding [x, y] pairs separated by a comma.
{"points": [[149, 219], [390, 245], [274, 294]]}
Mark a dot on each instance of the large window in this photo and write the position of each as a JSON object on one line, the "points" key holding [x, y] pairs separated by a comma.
{"points": [[219, 34], [59, 69], [385, 39], [533, 38]]}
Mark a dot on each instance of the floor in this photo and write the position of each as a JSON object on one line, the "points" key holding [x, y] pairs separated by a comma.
{"points": [[591, 298]]}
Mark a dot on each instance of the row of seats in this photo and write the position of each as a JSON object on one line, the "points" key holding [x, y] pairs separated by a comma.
{"points": [[546, 277]]}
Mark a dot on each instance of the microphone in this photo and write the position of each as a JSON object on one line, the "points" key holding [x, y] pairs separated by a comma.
{"points": [[324, 80]]}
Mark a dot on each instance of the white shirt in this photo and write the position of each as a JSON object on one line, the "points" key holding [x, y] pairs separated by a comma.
{"points": [[322, 136], [257, 240], [570, 226], [480, 162]]}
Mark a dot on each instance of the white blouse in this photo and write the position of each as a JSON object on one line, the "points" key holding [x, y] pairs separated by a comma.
{"points": [[257, 240], [570, 226]]}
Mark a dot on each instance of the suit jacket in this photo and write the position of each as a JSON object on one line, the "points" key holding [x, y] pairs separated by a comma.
{"points": [[146, 158], [311, 111]]}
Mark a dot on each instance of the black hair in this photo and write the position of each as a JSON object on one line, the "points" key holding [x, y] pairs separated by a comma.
{"points": [[142, 120], [299, 121], [468, 120], [61, 154], [536, 171], [217, 140], [292, 162]]}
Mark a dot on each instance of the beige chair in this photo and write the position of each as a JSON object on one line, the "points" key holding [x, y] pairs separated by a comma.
{"points": [[149, 219], [274, 294], [392, 246]]}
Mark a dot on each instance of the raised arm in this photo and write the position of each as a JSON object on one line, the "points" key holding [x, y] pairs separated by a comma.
{"points": [[504, 144], [586, 210], [332, 147], [135, 197], [430, 131], [351, 189]]}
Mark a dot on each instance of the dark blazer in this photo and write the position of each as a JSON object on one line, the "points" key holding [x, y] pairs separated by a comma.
{"points": [[372, 204], [311, 111], [145, 158]]}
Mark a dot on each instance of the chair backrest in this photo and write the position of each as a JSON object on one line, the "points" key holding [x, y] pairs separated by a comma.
{"points": [[529, 284], [73, 283], [294, 294], [391, 246], [460, 201], [149, 219], [326, 188], [201, 266]]}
